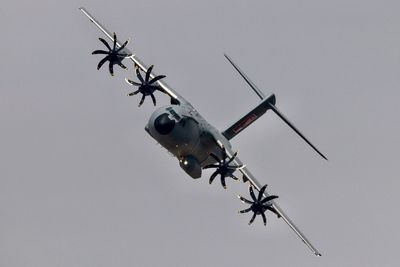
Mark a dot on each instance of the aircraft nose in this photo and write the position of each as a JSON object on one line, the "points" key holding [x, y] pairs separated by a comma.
{"points": [[163, 124]]}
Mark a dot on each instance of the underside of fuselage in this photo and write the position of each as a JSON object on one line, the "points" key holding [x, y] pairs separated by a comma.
{"points": [[185, 134]]}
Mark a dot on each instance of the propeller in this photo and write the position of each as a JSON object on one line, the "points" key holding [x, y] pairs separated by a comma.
{"points": [[146, 86], [223, 167], [259, 204], [113, 55]]}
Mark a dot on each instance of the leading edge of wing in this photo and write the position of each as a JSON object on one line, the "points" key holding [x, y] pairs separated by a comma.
{"points": [[253, 181], [174, 95]]}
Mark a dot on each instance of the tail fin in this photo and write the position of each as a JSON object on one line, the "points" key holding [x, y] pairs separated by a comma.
{"points": [[249, 118], [268, 103]]}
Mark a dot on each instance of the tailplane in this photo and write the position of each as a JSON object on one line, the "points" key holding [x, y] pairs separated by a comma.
{"points": [[267, 103]]}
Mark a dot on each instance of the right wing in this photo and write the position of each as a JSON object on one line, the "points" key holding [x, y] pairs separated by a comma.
{"points": [[248, 176], [175, 97]]}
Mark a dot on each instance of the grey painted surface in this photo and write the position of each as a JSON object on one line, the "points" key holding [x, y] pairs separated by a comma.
{"points": [[82, 184]]}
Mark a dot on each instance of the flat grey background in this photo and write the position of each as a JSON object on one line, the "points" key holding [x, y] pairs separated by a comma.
{"points": [[82, 184]]}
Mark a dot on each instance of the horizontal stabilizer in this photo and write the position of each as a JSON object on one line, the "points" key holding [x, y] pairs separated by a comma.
{"points": [[249, 82], [268, 103], [280, 115]]}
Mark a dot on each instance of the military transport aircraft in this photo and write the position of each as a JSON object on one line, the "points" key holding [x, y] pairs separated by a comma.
{"points": [[190, 138]]}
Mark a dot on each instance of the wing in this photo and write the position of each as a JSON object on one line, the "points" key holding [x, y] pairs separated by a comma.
{"points": [[175, 97], [253, 181]]}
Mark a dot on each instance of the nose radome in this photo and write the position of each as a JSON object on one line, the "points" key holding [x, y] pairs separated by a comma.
{"points": [[163, 124]]}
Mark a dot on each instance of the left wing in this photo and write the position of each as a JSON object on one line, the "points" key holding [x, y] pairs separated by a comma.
{"points": [[247, 175], [175, 97]]}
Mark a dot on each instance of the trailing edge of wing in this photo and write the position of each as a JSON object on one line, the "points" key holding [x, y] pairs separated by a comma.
{"points": [[175, 97], [283, 215], [253, 181]]}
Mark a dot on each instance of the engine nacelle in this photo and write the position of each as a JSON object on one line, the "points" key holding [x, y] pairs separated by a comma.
{"points": [[191, 166]]}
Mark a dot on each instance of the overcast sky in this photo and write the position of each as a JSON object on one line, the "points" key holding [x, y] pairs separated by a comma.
{"points": [[82, 184]]}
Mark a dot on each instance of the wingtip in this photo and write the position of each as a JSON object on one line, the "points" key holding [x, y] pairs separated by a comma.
{"points": [[325, 158], [227, 57], [83, 9]]}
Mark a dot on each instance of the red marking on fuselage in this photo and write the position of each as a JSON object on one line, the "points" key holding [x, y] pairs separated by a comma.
{"points": [[246, 122]]}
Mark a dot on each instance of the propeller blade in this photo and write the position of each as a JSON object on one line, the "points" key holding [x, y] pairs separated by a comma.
{"points": [[111, 68], [102, 62], [154, 87], [215, 157], [123, 46], [223, 181], [211, 166], [142, 100], [245, 200], [102, 52], [146, 79], [115, 41], [273, 210], [245, 210], [233, 157], [121, 65], [159, 77], [132, 82], [134, 93], [105, 43], [252, 194], [125, 55], [261, 193], [153, 98], [264, 218], [269, 198], [234, 177], [139, 75], [212, 177], [224, 155], [252, 218]]}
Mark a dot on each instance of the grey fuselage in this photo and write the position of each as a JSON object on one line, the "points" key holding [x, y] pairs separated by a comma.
{"points": [[187, 135]]}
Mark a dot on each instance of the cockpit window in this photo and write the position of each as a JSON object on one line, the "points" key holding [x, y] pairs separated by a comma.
{"points": [[174, 114]]}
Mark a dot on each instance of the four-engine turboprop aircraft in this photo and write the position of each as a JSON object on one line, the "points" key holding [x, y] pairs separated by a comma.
{"points": [[191, 139]]}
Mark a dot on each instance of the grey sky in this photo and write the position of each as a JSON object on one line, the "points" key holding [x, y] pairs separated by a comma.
{"points": [[82, 183]]}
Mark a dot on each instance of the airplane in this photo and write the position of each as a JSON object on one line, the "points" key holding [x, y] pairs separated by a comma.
{"points": [[196, 144]]}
